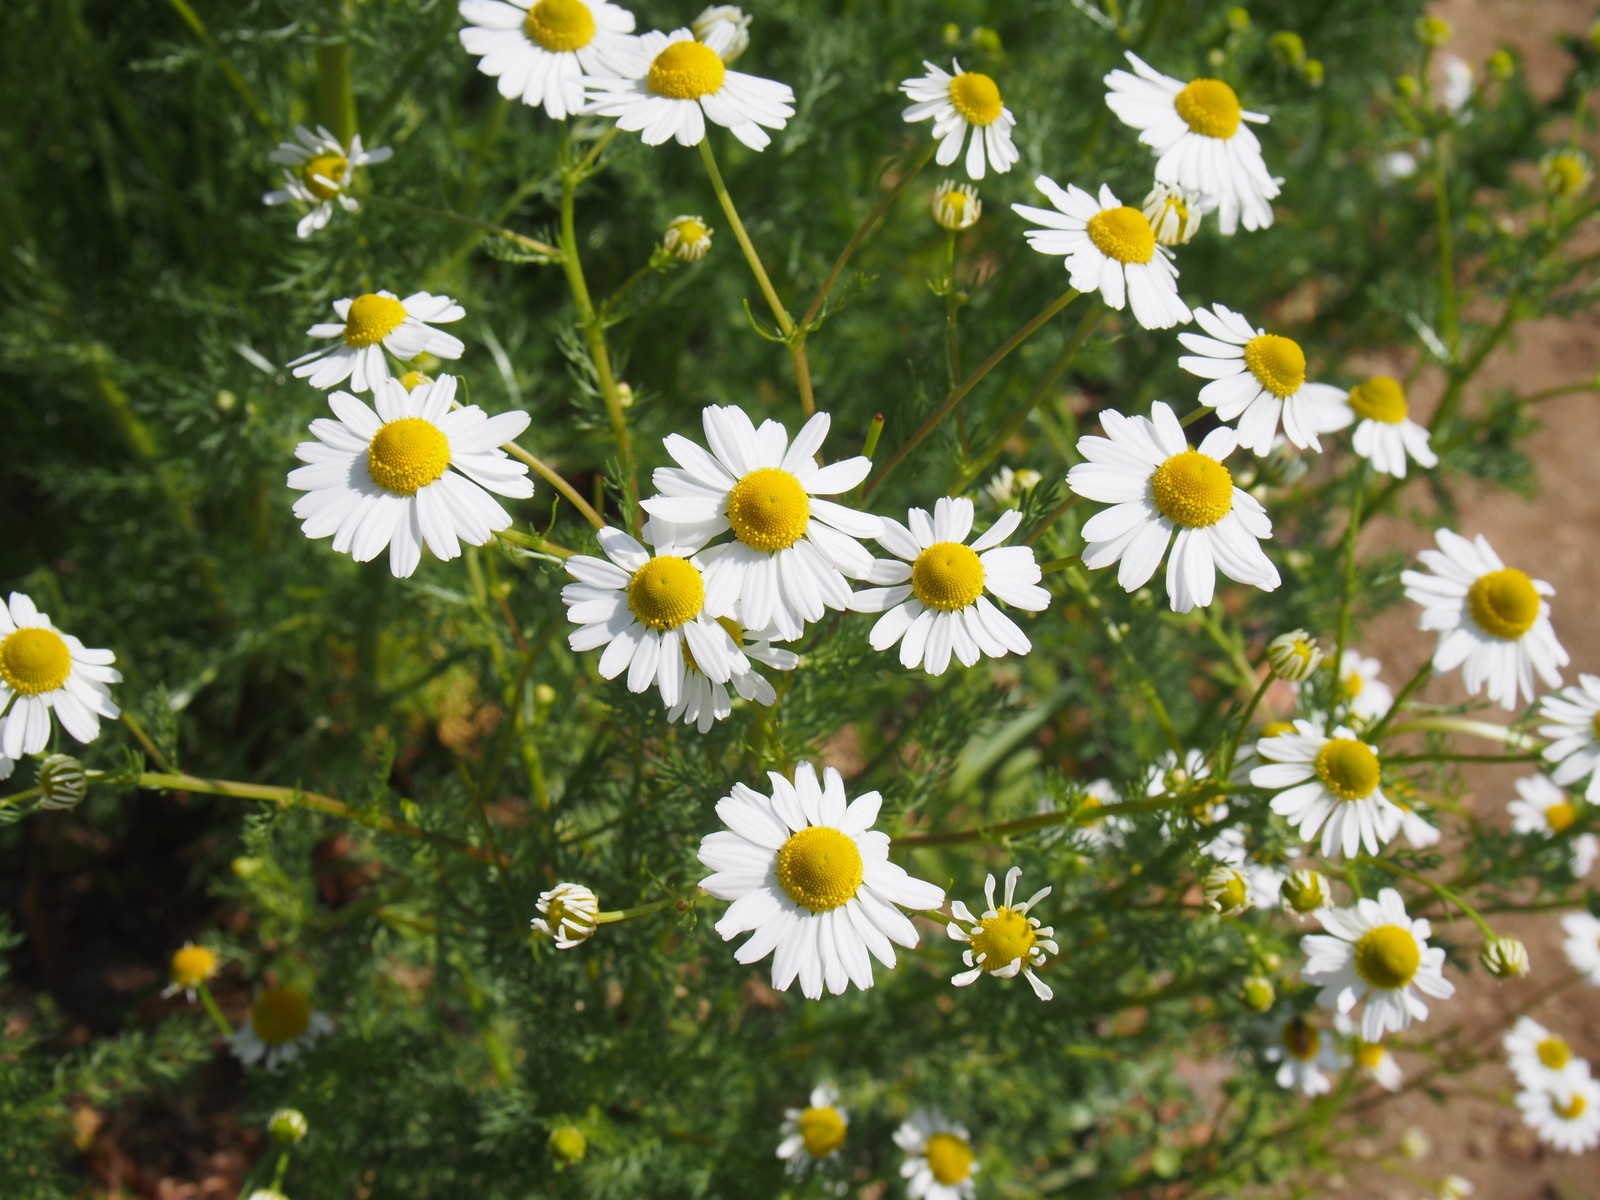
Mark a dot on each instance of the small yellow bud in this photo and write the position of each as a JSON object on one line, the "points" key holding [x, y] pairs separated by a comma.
{"points": [[1305, 890], [1313, 71], [951, 34], [412, 380], [288, 1126], [1504, 958], [687, 238], [1294, 656], [1408, 86], [568, 1145], [1258, 993], [1566, 173], [986, 40], [1226, 891], [1501, 64], [1239, 19], [544, 695], [1288, 47], [1433, 31]]}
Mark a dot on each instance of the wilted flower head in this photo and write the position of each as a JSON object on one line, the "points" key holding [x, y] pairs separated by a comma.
{"points": [[568, 913], [731, 27]]}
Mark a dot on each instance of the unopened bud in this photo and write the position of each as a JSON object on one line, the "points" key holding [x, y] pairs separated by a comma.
{"points": [[1566, 173], [288, 1126], [1414, 1144], [1314, 72], [1258, 993], [1433, 31], [687, 238], [568, 913], [1226, 891], [956, 205], [412, 380], [1294, 656], [1453, 1187], [1305, 890], [1173, 213], [1504, 958], [568, 1145], [1238, 19], [61, 782], [1408, 86], [1501, 65], [1288, 47]]}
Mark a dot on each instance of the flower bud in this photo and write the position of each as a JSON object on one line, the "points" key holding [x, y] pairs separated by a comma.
{"points": [[288, 1126], [1501, 64], [1453, 1187], [729, 24], [1226, 891], [568, 913], [1173, 213], [986, 40], [956, 206], [1294, 656], [1566, 173], [1305, 890], [61, 782], [1288, 47], [1314, 72], [544, 695], [1414, 1144], [1433, 31], [1258, 993], [568, 1145], [1239, 19], [1504, 958], [687, 238], [1408, 86]]}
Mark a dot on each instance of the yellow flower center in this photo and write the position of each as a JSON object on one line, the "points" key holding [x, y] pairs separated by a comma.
{"points": [[280, 1015], [1370, 1055], [1353, 683], [666, 592], [1566, 174], [1347, 768], [412, 380], [1301, 1039], [954, 203], [690, 229], [1003, 938], [686, 71], [407, 455], [823, 1130], [320, 167], [1277, 729], [1192, 489], [1380, 398], [1387, 957], [947, 576], [558, 25], [1561, 816], [1234, 894], [1594, 726], [372, 318], [820, 868], [1503, 603], [1570, 1109], [1209, 107], [1553, 1052], [949, 1158], [1123, 234], [768, 508], [1277, 362], [976, 97], [34, 661], [192, 966]]}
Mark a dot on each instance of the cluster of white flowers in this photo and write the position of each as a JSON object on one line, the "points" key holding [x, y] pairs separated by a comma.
{"points": [[1560, 1099]]}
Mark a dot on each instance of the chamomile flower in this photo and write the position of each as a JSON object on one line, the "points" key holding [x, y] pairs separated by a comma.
{"points": [[1493, 621], [1173, 213], [1374, 951], [1109, 247], [811, 881], [1582, 944], [1327, 782], [43, 670], [413, 473], [812, 1135], [1374, 1061], [539, 52], [282, 1024], [956, 206], [1365, 695], [1544, 809], [934, 604], [368, 325], [705, 701], [1306, 1056], [1005, 940], [645, 608], [726, 26], [959, 104], [1256, 377], [1199, 134], [1540, 1059], [687, 238], [1385, 435], [939, 1162], [1573, 714], [792, 550], [1568, 1119], [191, 967], [1171, 774], [321, 167], [1157, 485], [569, 913], [682, 83]]}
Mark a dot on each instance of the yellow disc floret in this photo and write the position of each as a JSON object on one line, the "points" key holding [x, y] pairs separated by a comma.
{"points": [[822, 1130], [820, 868], [976, 97], [192, 965], [1560, 816], [559, 25], [34, 661], [1209, 107], [1380, 398], [1002, 939], [666, 592], [1278, 729], [1301, 1039], [1570, 1109], [768, 508], [323, 174], [1503, 603], [949, 1158], [372, 318], [1370, 1055], [407, 455], [1347, 768], [1123, 234], [1387, 957], [280, 1015], [1553, 1052], [1192, 489], [686, 71], [947, 576], [1278, 363]]}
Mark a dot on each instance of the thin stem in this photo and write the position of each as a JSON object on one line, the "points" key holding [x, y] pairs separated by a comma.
{"points": [[1226, 766], [1086, 816], [639, 910], [1531, 756], [544, 471], [1447, 267], [209, 1003], [1438, 889], [229, 72], [533, 541], [144, 740], [1404, 694], [532, 245], [1348, 586]]}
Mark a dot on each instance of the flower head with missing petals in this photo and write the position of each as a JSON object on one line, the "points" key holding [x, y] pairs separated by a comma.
{"points": [[1005, 940], [318, 171]]}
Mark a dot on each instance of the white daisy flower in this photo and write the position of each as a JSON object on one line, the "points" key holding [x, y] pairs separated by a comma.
{"points": [[1379, 1065], [1327, 782], [1173, 213], [42, 670], [1109, 247], [687, 238], [813, 1134], [1169, 775], [1542, 1060], [1366, 696], [811, 881], [322, 168], [1386, 435], [1156, 484], [539, 52], [726, 26], [793, 550], [1377, 953], [705, 701], [413, 473], [1106, 827], [959, 103], [1257, 376], [1574, 730], [939, 1162], [1306, 1056], [682, 83], [1568, 1119], [934, 604], [282, 1025], [1544, 809], [1202, 145], [1582, 944], [370, 324], [1007, 487], [956, 206], [1005, 940], [646, 609], [568, 913], [1493, 621]]}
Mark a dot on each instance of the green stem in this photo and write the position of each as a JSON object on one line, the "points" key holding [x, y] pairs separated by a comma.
{"points": [[1447, 267], [1531, 756], [1438, 889], [545, 472], [1348, 586], [229, 72], [336, 96], [209, 1003], [638, 910], [1225, 768], [1404, 694]]}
